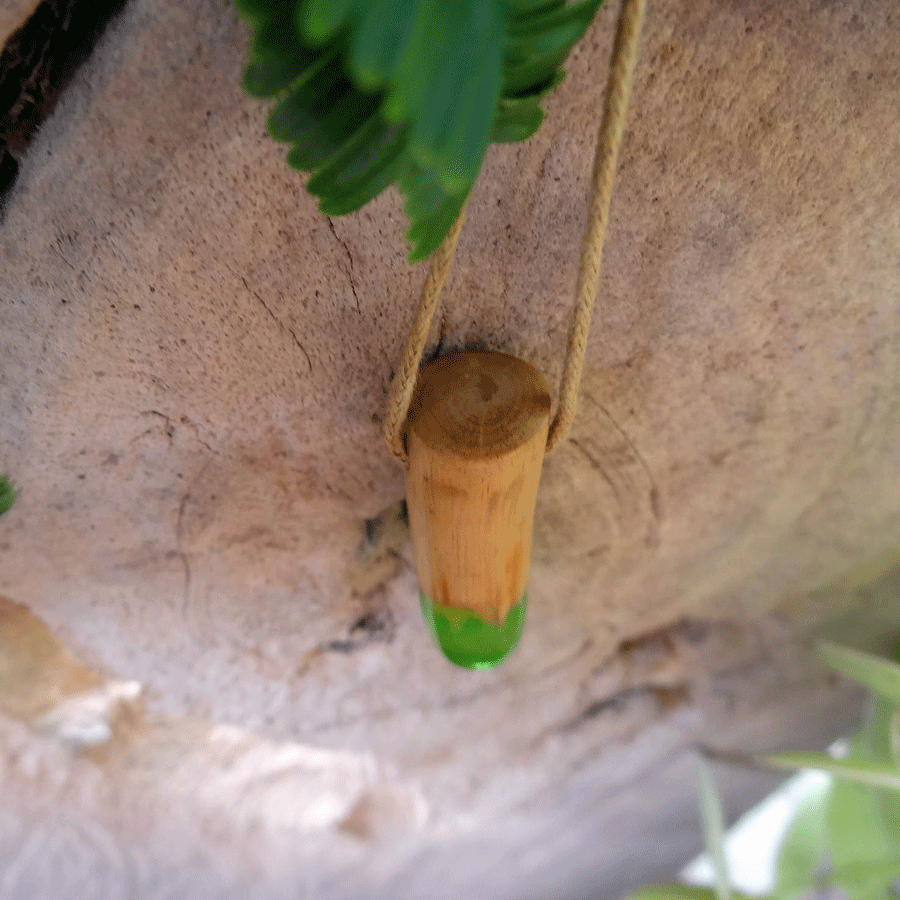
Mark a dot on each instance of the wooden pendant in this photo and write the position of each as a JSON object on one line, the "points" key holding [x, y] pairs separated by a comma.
{"points": [[476, 436]]}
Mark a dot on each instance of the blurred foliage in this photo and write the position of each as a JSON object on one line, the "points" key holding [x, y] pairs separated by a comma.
{"points": [[7, 494], [408, 92], [846, 834]]}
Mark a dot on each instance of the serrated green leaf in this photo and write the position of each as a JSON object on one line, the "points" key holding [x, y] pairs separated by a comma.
{"points": [[268, 77], [438, 67], [356, 156], [256, 11], [426, 234], [713, 828], [424, 195], [516, 120], [805, 843], [7, 494], [418, 63], [879, 675], [275, 39], [523, 8], [381, 35], [549, 31], [860, 771], [532, 79], [319, 20], [460, 148], [362, 169], [452, 132], [320, 115]]}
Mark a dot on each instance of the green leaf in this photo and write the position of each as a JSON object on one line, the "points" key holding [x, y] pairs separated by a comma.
{"points": [[714, 828], [266, 76], [275, 39], [256, 11], [530, 7], [448, 82], [804, 845], [875, 742], [383, 31], [461, 140], [881, 676], [516, 120], [427, 234], [859, 771], [429, 42], [319, 115], [424, 194], [320, 20], [362, 169], [549, 31], [434, 70], [7, 494], [856, 832], [521, 79], [679, 892], [867, 881]]}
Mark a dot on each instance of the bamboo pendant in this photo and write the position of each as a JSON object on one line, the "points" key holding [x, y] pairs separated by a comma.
{"points": [[476, 437]]}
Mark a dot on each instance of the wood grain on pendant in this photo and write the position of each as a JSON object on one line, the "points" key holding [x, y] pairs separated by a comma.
{"points": [[476, 435]]}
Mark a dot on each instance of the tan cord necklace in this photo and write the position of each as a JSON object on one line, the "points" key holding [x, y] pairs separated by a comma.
{"points": [[612, 127]]}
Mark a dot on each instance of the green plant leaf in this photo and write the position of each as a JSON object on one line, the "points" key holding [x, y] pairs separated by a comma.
{"points": [[267, 75], [876, 742], [530, 7], [450, 75], [320, 113], [516, 120], [867, 881], [319, 20], [805, 842], [7, 494], [419, 62], [521, 77], [426, 234], [894, 737], [256, 11], [550, 30], [879, 675], [680, 892], [424, 195], [383, 32], [856, 832], [861, 771], [452, 100], [714, 828], [362, 169]]}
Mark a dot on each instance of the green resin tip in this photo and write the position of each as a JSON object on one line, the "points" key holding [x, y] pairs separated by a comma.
{"points": [[467, 640]]}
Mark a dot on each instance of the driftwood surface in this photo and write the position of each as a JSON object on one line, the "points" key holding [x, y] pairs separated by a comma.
{"points": [[207, 551]]}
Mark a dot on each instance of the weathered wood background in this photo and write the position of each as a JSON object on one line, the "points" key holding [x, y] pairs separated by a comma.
{"points": [[214, 680]]}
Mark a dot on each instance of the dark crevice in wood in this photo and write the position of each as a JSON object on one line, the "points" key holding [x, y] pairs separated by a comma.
{"points": [[36, 64], [370, 628]]}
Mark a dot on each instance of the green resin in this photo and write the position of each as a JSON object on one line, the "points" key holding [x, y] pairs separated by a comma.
{"points": [[467, 640]]}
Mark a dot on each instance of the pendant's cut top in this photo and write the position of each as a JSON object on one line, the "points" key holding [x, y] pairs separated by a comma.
{"points": [[467, 640]]}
